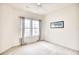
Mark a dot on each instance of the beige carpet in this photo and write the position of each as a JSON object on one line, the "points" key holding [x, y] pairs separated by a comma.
{"points": [[39, 48]]}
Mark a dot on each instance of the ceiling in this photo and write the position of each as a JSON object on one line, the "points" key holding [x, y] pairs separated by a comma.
{"points": [[42, 8]]}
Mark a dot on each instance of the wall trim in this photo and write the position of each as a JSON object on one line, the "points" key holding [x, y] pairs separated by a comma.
{"points": [[2, 53], [62, 46]]}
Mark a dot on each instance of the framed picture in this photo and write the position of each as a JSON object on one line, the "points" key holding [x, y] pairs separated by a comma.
{"points": [[57, 24]]}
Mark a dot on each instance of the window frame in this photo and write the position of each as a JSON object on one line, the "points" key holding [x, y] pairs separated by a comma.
{"points": [[31, 27]]}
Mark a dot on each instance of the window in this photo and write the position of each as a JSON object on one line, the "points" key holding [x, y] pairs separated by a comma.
{"points": [[27, 28], [35, 29], [31, 28]]}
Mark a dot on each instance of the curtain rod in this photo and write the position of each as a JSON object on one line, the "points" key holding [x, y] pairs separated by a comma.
{"points": [[28, 18]]}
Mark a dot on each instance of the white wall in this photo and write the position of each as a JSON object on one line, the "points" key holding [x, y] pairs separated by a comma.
{"points": [[10, 25], [0, 26], [67, 36]]}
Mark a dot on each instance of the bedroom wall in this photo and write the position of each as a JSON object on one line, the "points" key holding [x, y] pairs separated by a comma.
{"points": [[0, 26], [10, 25], [67, 36]]}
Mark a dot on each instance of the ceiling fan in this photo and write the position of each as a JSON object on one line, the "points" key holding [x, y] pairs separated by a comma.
{"points": [[34, 5]]}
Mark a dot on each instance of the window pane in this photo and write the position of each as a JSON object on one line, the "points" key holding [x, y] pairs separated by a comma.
{"points": [[21, 28], [35, 32], [35, 24], [27, 23], [27, 33]]}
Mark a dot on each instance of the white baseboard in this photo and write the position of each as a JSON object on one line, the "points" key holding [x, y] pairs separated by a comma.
{"points": [[62, 46]]}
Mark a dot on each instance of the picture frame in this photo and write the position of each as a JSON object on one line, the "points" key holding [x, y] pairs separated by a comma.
{"points": [[57, 24]]}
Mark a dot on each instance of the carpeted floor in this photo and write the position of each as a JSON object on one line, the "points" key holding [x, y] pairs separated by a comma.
{"points": [[39, 48]]}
